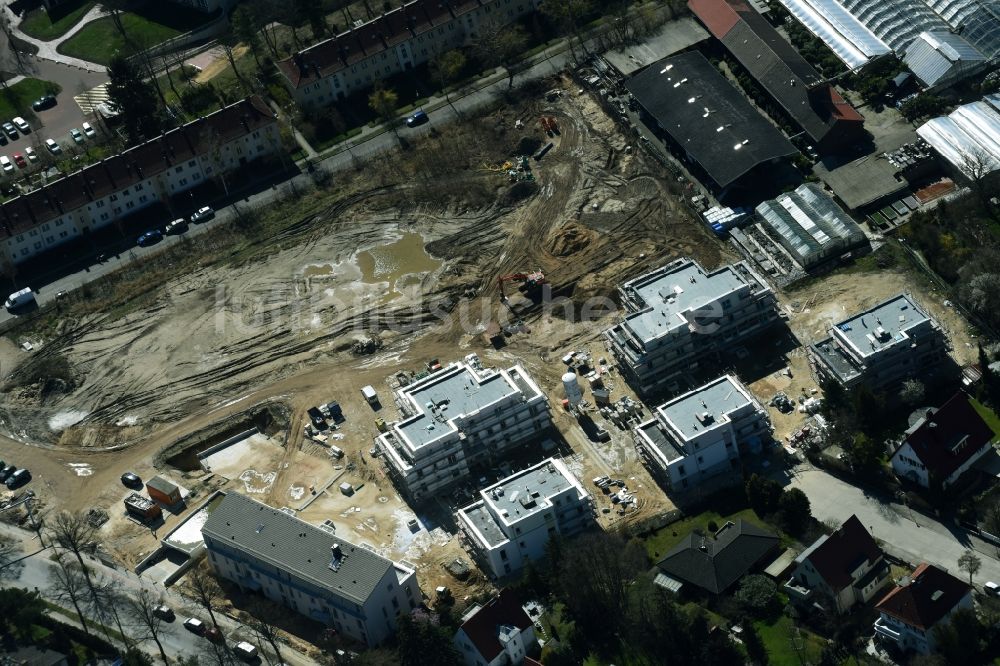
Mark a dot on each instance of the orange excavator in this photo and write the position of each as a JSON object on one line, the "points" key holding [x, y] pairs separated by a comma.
{"points": [[529, 282]]}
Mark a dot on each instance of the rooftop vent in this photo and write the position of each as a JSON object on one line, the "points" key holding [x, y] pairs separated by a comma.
{"points": [[937, 595], [705, 418], [336, 556]]}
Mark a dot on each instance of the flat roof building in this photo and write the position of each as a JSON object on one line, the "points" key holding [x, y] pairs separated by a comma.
{"points": [[807, 99], [311, 571], [882, 346], [810, 225], [679, 314], [515, 518], [699, 434], [706, 120], [460, 417]]}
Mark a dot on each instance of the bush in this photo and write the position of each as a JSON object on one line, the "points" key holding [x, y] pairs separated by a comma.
{"points": [[53, 372], [758, 596]]}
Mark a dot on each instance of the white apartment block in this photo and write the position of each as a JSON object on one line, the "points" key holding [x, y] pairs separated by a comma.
{"points": [[699, 434], [118, 186], [882, 346], [679, 315], [396, 41], [308, 569], [513, 522], [455, 419]]}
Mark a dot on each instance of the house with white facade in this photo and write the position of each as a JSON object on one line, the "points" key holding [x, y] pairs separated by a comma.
{"points": [[680, 315], [882, 346], [700, 434], [118, 186], [498, 633], [917, 604], [943, 445], [838, 570], [310, 570], [512, 522], [460, 417], [396, 41]]}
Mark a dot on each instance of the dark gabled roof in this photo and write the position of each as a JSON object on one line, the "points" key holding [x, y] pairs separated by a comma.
{"points": [[924, 597], [504, 609], [665, 90], [295, 546], [714, 563], [835, 556], [946, 438], [814, 105]]}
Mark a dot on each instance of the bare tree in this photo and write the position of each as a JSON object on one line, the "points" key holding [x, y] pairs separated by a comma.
{"points": [[260, 624], [978, 166], [142, 608], [73, 532], [206, 591], [70, 586], [107, 606], [503, 45], [970, 563]]}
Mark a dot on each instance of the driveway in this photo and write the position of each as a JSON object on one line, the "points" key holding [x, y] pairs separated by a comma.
{"points": [[910, 536]]}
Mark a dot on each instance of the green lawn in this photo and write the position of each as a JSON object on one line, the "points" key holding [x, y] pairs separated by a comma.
{"points": [[988, 415], [44, 25], [785, 648], [16, 100]]}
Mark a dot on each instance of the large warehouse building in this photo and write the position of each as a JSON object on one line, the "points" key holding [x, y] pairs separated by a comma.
{"points": [[969, 137], [829, 122], [701, 116]]}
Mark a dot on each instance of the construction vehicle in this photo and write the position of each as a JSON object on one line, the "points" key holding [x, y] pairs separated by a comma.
{"points": [[530, 282]]}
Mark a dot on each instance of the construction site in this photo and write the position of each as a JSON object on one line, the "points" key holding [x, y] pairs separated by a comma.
{"points": [[505, 237]]}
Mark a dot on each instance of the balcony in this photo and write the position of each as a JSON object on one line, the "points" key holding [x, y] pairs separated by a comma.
{"points": [[885, 630], [797, 592]]}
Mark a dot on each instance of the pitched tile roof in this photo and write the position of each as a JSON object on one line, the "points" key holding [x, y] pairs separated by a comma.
{"points": [[925, 598], [481, 628], [836, 556], [134, 165], [295, 546], [714, 563], [946, 438]]}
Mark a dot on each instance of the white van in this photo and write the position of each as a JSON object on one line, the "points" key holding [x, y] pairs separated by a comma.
{"points": [[19, 299], [245, 650]]}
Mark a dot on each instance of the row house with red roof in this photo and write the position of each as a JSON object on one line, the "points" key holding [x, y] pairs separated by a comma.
{"points": [[118, 186], [396, 41]]}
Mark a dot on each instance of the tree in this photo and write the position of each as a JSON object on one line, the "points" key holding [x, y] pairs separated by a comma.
{"points": [[752, 642], [419, 639], [206, 591], [70, 586], [763, 494], [912, 392], [9, 552], [114, 9], [245, 30], [19, 609], [446, 69], [313, 13], [262, 627], [229, 41], [979, 167], [133, 98], [795, 510], [569, 15], [384, 102], [958, 640], [757, 595], [136, 657], [142, 608], [503, 45], [970, 563], [864, 453]]}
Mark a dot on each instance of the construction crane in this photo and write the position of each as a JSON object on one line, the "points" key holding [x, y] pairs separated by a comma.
{"points": [[529, 282]]}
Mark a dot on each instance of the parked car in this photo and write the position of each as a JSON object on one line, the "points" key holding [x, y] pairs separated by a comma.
{"points": [[991, 589], [20, 298], [203, 214], [19, 160], [194, 625], [131, 480], [419, 117], [44, 102], [164, 613], [3, 139], [53, 147], [7, 472], [151, 237], [21, 124], [6, 164], [18, 479], [30, 153], [76, 135], [88, 130], [9, 129], [245, 651], [213, 634], [175, 227]]}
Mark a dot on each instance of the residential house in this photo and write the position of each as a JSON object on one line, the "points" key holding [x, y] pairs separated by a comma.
{"points": [[839, 570], [714, 562], [498, 633], [310, 570], [700, 434], [679, 316], [917, 604], [515, 518], [943, 444]]}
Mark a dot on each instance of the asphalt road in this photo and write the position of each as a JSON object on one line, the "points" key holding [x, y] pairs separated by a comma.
{"points": [[909, 535], [35, 573]]}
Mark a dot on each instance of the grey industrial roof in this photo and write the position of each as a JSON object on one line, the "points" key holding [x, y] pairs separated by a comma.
{"points": [[895, 316], [718, 398], [295, 546], [708, 117], [941, 56], [455, 390], [668, 296], [861, 182], [810, 222], [715, 562]]}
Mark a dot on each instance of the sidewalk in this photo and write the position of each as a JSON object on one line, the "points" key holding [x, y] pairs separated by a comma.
{"points": [[47, 50]]}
